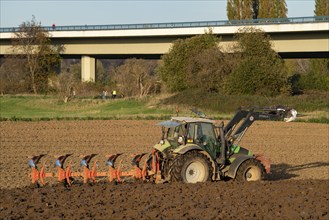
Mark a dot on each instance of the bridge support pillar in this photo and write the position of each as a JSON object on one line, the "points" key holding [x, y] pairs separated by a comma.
{"points": [[88, 69]]}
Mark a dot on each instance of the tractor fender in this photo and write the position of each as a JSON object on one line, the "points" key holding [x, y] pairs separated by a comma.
{"points": [[236, 164], [185, 148], [188, 147]]}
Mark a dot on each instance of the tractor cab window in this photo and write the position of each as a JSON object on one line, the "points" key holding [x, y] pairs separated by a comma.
{"points": [[208, 130], [199, 132], [205, 131], [175, 132], [204, 135]]}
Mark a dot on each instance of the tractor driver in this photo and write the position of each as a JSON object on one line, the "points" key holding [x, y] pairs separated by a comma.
{"points": [[179, 133]]}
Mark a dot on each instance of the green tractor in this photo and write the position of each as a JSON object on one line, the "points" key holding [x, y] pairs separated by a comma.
{"points": [[191, 150], [196, 150]]}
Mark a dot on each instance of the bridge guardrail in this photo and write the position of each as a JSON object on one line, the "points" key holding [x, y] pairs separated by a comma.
{"points": [[262, 21]]}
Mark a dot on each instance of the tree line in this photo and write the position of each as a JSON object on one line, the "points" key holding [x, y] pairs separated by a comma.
{"points": [[196, 62]]}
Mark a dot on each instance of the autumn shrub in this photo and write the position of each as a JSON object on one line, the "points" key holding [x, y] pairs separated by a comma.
{"points": [[183, 60], [259, 69]]}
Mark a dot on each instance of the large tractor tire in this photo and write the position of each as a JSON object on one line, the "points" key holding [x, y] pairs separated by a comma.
{"points": [[191, 167], [250, 170]]}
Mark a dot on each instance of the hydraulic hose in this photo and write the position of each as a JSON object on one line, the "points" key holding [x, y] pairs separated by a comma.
{"points": [[223, 144]]}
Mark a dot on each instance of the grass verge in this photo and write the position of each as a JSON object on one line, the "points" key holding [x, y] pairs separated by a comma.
{"points": [[35, 108], [311, 107]]}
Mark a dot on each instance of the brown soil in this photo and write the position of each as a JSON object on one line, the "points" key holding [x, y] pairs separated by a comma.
{"points": [[298, 187]]}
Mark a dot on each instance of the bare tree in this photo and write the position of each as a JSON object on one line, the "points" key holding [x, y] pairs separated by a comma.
{"points": [[136, 77], [33, 43], [65, 84]]}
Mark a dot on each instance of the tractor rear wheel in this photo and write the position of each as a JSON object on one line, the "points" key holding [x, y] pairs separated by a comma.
{"points": [[250, 170], [191, 167]]}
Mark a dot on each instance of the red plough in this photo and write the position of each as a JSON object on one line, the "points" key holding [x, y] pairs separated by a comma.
{"points": [[90, 174]]}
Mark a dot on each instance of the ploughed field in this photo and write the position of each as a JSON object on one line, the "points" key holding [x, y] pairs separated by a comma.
{"points": [[297, 188]]}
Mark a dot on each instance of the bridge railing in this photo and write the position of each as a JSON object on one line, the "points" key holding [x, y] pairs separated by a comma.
{"points": [[262, 21]]}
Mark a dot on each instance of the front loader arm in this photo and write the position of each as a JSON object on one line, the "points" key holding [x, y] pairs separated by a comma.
{"points": [[249, 115]]}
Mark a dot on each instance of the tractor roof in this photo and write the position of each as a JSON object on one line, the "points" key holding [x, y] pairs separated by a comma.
{"points": [[190, 119], [175, 121]]}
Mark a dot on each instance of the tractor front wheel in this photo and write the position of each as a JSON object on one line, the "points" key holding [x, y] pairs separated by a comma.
{"points": [[250, 170], [191, 167]]}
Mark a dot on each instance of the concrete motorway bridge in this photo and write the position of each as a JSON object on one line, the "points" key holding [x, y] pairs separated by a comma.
{"points": [[305, 37]]}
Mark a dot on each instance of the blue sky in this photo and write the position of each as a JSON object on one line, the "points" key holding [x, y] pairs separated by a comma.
{"points": [[92, 12]]}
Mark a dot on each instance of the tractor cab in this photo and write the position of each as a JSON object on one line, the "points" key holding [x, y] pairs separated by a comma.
{"points": [[187, 131]]}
